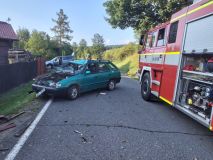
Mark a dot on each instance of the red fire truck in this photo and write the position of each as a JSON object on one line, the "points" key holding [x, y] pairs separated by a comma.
{"points": [[176, 62]]}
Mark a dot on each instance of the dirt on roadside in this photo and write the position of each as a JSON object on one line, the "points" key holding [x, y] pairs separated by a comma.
{"points": [[9, 137]]}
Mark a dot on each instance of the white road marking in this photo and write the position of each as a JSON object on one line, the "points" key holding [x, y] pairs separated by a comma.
{"points": [[15, 150]]}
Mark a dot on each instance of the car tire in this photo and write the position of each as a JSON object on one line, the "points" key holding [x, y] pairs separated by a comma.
{"points": [[73, 92], [111, 85], [145, 87], [49, 66]]}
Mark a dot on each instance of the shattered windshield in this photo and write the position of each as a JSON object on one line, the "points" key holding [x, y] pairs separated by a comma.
{"points": [[72, 67]]}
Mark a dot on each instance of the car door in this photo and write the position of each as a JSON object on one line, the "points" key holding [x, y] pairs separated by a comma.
{"points": [[103, 74], [90, 78]]}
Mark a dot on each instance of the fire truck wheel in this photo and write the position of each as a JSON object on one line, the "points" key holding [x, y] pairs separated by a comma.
{"points": [[145, 87]]}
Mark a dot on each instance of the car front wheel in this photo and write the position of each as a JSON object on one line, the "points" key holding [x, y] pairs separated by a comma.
{"points": [[73, 92]]}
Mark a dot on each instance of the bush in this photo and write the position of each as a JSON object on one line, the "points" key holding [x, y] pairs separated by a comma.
{"points": [[120, 53], [125, 58]]}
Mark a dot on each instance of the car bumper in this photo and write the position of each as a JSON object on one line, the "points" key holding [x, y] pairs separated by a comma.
{"points": [[118, 80], [50, 91]]}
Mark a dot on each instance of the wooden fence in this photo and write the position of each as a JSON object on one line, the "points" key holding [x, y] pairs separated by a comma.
{"points": [[13, 75]]}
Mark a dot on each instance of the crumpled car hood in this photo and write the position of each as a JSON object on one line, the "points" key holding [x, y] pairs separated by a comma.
{"points": [[54, 77]]}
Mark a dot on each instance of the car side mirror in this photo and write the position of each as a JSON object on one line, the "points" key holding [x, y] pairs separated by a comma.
{"points": [[88, 72]]}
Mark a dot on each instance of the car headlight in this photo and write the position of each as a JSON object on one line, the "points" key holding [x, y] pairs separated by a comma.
{"points": [[208, 90], [52, 84], [58, 85]]}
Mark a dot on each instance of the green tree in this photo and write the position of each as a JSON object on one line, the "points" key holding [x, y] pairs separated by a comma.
{"points": [[38, 43], [81, 48], [52, 50], [98, 46], [141, 14], [75, 48], [23, 36], [62, 28], [67, 49]]}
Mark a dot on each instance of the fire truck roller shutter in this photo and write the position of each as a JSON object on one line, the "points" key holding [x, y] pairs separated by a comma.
{"points": [[199, 36]]}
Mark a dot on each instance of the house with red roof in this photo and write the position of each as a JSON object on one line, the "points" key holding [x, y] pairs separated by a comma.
{"points": [[7, 37]]}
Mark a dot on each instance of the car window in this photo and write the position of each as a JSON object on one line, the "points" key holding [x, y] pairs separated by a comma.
{"points": [[102, 67], [92, 67], [67, 58], [112, 66], [56, 59]]}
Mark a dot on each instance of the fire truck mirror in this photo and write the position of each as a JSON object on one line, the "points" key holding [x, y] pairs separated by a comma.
{"points": [[142, 40]]}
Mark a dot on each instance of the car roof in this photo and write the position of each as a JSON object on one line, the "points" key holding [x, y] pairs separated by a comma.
{"points": [[81, 61], [97, 61], [84, 61]]}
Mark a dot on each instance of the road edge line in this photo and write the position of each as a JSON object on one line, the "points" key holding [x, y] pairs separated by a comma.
{"points": [[15, 150]]}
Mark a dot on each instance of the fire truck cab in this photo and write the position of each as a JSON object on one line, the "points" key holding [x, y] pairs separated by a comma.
{"points": [[176, 62]]}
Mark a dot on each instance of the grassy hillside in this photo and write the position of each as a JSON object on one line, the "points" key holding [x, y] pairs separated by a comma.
{"points": [[126, 58], [128, 66]]}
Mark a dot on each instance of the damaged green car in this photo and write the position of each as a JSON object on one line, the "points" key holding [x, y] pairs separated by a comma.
{"points": [[82, 76]]}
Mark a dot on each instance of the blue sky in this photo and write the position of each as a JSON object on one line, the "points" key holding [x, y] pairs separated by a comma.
{"points": [[86, 18]]}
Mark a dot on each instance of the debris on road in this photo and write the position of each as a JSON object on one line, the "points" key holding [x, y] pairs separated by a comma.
{"points": [[5, 119], [4, 149], [124, 141], [16, 115], [100, 93], [2, 116], [84, 140], [76, 131], [6, 127], [122, 147], [23, 127]]}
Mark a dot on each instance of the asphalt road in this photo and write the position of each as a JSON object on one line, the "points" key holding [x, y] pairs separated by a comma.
{"points": [[116, 126]]}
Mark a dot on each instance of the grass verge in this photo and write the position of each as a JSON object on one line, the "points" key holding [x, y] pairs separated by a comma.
{"points": [[129, 66], [12, 101]]}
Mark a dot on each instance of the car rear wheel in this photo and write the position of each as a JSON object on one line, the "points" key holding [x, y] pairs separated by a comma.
{"points": [[73, 92], [145, 87], [111, 85]]}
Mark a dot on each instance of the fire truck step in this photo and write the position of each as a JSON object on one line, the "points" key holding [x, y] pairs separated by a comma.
{"points": [[156, 82], [155, 93]]}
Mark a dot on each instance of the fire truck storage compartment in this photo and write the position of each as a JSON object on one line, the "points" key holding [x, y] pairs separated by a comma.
{"points": [[195, 91], [198, 38], [195, 87], [196, 94]]}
